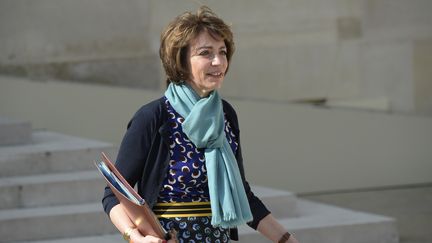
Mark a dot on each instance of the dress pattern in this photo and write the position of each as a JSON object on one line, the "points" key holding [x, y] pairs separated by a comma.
{"points": [[186, 181], [196, 229]]}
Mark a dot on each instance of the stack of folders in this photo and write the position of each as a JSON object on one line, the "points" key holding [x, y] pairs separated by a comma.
{"points": [[135, 206]]}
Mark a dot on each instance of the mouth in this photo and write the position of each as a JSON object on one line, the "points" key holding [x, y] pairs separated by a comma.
{"points": [[216, 74]]}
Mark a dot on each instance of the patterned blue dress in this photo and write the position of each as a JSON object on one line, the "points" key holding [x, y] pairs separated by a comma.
{"points": [[186, 181]]}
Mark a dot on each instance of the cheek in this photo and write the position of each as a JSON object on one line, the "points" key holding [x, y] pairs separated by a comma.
{"points": [[226, 64], [195, 69], [201, 69]]}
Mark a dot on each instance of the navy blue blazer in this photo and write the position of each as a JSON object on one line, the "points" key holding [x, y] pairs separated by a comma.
{"points": [[144, 156]]}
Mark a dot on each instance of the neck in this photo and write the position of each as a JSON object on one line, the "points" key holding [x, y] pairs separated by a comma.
{"points": [[200, 92]]}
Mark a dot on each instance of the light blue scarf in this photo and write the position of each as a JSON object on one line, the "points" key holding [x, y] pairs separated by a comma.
{"points": [[204, 125]]}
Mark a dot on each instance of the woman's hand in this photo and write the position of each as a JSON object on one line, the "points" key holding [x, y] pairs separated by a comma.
{"points": [[136, 237]]}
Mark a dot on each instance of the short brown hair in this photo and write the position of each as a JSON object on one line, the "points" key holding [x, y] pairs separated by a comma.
{"points": [[179, 32]]}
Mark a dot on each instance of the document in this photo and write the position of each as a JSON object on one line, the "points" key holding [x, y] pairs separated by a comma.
{"points": [[114, 180], [133, 204]]}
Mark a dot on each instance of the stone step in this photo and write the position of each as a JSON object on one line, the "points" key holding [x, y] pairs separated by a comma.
{"points": [[321, 223], [281, 203], [51, 189], [67, 188], [277, 201], [316, 223], [54, 222], [51, 152], [13, 131]]}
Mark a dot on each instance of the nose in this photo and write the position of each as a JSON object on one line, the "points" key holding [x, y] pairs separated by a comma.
{"points": [[218, 59]]}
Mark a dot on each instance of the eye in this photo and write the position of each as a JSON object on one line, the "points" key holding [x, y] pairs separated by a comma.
{"points": [[223, 52], [204, 53]]}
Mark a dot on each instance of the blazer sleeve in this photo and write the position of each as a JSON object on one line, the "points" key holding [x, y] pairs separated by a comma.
{"points": [[133, 150]]}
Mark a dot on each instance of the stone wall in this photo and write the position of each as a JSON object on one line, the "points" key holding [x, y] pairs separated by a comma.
{"points": [[372, 54], [98, 41], [292, 147]]}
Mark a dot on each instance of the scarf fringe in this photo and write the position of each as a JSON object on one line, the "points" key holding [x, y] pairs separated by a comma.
{"points": [[230, 219], [229, 216], [228, 223]]}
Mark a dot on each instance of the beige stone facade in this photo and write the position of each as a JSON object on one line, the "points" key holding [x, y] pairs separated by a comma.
{"points": [[354, 53], [362, 54]]}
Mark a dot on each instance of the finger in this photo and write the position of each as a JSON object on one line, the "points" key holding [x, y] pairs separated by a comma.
{"points": [[152, 239]]}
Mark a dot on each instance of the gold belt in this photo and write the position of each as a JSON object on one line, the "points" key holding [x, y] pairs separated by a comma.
{"points": [[182, 209]]}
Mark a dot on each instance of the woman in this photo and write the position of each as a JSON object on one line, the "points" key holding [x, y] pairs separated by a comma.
{"points": [[183, 150]]}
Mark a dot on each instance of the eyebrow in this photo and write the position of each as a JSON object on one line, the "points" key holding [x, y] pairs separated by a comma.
{"points": [[209, 47]]}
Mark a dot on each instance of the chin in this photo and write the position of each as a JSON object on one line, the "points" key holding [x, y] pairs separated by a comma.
{"points": [[215, 84], [214, 87]]}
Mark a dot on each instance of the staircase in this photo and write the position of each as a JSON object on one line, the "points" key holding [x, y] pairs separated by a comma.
{"points": [[48, 184], [51, 192]]}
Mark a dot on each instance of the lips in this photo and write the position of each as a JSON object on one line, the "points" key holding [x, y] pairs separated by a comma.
{"points": [[216, 74]]}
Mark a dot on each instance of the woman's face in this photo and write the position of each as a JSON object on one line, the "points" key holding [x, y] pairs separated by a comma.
{"points": [[207, 62]]}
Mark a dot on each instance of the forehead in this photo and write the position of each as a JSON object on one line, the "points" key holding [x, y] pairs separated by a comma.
{"points": [[205, 39]]}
